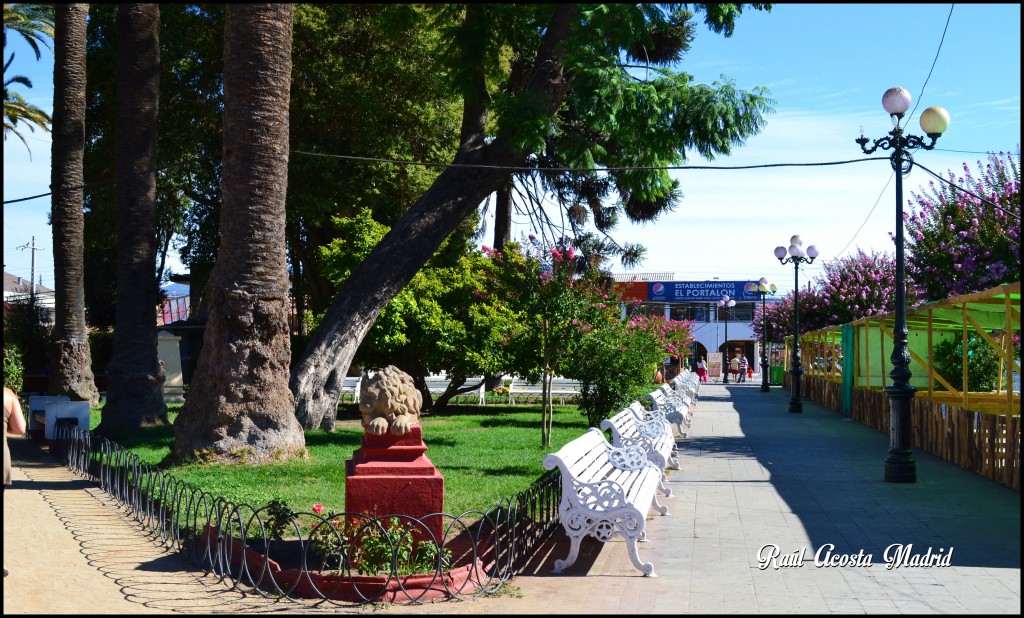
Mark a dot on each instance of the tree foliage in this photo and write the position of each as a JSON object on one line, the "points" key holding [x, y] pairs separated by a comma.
{"points": [[365, 84], [553, 299], [440, 322], [613, 361], [28, 325], [14, 369], [852, 287], [780, 316], [33, 22], [527, 74]]}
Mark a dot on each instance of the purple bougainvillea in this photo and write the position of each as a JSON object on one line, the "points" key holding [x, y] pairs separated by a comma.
{"points": [[957, 243], [850, 288]]}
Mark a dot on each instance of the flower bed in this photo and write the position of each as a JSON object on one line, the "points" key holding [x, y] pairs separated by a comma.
{"points": [[268, 574]]}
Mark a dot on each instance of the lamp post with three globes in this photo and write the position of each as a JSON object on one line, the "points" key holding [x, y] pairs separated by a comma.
{"points": [[797, 256]]}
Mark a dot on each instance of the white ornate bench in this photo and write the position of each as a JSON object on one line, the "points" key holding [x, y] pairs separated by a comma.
{"points": [[562, 389], [350, 387], [629, 428], [687, 384], [606, 491], [673, 408]]}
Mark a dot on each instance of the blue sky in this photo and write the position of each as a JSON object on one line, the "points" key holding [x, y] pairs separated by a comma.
{"points": [[826, 65]]}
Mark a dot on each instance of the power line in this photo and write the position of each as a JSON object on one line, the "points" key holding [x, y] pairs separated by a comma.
{"points": [[934, 61], [877, 201], [513, 168], [978, 197], [94, 183], [984, 152]]}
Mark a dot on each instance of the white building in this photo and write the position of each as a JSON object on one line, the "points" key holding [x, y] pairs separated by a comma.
{"points": [[20, 289], [663, 294]]}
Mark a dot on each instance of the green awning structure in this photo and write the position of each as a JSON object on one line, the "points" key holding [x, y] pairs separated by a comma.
{"points": [[985, 314]]}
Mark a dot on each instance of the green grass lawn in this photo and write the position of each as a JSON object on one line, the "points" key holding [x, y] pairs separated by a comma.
{"points": [[484, 453]]}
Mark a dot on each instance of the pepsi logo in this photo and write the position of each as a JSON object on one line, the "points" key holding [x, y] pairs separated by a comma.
{"points": [[658, 288]]}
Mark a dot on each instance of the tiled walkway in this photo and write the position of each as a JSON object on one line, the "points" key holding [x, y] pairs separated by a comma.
{"points": [[752, 475]]}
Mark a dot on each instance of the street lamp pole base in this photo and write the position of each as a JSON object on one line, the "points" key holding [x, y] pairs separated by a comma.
{"points": [[796, 404], [900, 466], [764, 388]]}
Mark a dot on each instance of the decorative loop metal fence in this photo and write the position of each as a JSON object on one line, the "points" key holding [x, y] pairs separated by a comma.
{"points": [[341, 558]]}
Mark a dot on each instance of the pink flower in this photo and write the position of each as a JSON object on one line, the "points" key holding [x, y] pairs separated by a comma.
{"points": [[318, 507]]}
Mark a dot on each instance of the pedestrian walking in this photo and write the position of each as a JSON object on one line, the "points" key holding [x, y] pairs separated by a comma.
{"points": [[14, 424]]}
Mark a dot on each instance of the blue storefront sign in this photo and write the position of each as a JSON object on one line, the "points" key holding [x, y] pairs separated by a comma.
{"points": [[698, 291]]}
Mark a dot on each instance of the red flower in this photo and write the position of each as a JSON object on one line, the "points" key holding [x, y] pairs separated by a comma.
{"points": [[318, 507]]}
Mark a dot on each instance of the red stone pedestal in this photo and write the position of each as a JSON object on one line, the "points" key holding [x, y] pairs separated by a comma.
{"points": [[391, 474]]}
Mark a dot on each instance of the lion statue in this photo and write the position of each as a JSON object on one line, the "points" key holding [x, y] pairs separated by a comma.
{"points": [[389, 398]]}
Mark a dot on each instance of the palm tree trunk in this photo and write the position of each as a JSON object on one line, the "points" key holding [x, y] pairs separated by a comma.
{"points": [[238, 405], [136, 375], [71, 372]]}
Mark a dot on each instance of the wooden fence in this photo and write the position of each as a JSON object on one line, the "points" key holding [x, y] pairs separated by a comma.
{"points": [[983, 442]]}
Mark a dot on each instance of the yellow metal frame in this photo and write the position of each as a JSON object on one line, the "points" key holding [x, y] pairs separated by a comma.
{"points": [[997, 309]]}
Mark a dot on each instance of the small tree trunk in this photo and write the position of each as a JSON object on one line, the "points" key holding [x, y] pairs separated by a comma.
{"points": [[547, 410], [503, 214]]}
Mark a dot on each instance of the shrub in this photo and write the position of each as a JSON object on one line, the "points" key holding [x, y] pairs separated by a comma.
{"points": [[14, 369], [27, 325], [378, 547], [982, 364], [614, 364]]}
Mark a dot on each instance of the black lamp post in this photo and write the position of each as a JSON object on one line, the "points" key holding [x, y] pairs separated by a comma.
{"points": [[723, 306], [762, 288], [797, 256], [900, 466]]}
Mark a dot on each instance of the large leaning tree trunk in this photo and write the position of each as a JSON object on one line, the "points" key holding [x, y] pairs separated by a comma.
{"points": [[503, 214], [135, 374], [238, 405], [316, 379], [71, 372]]}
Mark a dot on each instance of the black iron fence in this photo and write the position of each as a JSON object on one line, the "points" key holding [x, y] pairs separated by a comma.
{"points": [[342, 558]]}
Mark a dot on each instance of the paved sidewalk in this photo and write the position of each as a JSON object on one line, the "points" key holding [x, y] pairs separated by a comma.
{"points": [[752, 475]]}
